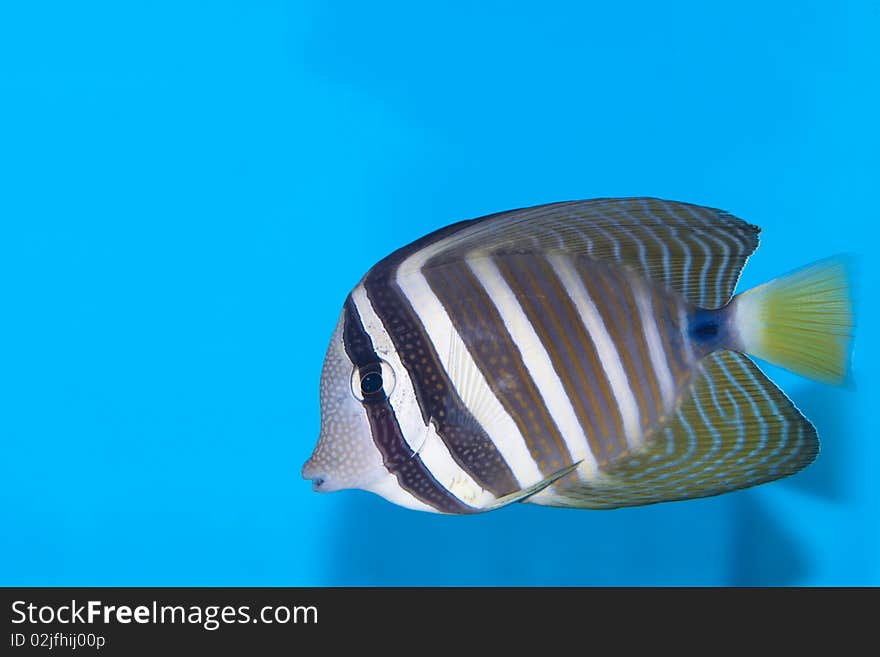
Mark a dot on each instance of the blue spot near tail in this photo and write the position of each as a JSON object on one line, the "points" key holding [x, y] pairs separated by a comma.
{"points": [[705, 330]]}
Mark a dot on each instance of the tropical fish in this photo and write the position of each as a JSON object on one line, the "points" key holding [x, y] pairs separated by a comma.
{"points": [[585, 354]]}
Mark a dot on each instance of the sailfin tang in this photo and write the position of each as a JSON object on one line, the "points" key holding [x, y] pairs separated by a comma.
{"points": [[734, 430]]}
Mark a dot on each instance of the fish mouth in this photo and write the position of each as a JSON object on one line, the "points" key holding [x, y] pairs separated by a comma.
{"points": [[318, 475], [309, 471], [319, 484]]}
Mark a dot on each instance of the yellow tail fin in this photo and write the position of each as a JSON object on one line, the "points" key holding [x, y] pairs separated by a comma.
{"points": [[802, 321]]}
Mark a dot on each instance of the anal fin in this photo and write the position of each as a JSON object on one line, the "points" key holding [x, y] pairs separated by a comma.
{"points": [[733, 430]]}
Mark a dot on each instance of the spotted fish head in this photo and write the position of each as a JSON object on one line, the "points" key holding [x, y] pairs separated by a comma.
{"points": [[346, 456]]}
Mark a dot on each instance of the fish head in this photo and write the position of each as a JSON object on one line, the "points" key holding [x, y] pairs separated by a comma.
{"points": [[346, 455]]}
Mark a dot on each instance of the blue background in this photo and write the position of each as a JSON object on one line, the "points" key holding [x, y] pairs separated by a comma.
{"points": [[188, 190]]}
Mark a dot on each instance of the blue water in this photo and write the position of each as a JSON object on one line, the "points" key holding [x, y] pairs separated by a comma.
{"points": [[188, 191]]}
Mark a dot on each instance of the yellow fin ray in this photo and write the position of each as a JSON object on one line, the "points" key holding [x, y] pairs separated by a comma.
{"points": [[802, 321]]}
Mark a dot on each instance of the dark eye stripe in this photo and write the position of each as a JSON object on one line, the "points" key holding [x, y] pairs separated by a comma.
{"points": [[357, 343], [439, 402], [398, 457]]}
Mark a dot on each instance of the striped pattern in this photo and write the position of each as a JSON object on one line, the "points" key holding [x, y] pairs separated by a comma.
{"points": [[606, 349], [526, 327], [397, 455], [474, 319], [736, 429], [542, 341], [526, 342], [549, 352], [696, 251], [421, 438]]}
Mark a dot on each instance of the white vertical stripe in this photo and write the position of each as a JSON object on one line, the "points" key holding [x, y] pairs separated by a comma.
{"points": [[421, 439], [684, 329], [403, 398], [655, 346], [389, 488], [537, 361], [608, 354], [437, 458], [490, 414]]}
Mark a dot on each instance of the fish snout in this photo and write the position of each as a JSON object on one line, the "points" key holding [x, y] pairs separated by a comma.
{"points": [[316, 474]]}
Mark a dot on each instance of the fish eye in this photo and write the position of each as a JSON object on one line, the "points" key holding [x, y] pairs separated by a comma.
{"points": [[373, 382]]}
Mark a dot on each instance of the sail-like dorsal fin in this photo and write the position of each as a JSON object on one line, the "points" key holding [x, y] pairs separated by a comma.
{"points": [[694, 250], [734, 429]]}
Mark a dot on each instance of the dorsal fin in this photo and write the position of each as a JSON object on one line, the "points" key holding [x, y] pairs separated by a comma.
{"points": [[694, 250], [735, 429]]}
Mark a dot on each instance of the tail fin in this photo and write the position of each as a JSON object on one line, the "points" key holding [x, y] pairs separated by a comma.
{"points": [[802, 321]]}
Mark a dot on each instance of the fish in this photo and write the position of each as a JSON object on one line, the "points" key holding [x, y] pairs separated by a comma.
{"points": [[584, 354]]}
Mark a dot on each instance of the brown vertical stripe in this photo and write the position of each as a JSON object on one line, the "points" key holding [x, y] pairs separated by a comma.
{"points": [[608, 293], [667, 329], [628, 295], [549, 293], [489, 343], [570, 347]]}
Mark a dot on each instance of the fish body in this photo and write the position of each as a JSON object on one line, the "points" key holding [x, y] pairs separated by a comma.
{"points": [[586, 354]]}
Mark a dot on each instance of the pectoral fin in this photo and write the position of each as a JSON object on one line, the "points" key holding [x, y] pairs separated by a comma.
{"points": [[525, 493]]}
